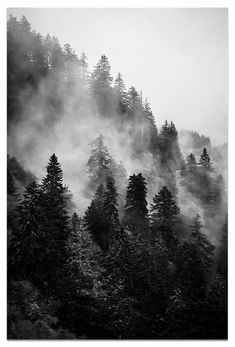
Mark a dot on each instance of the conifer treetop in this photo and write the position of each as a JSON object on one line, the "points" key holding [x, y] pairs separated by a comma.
{"points": [[54, 177], [164, 209], [136, 194], [101, 74], [205, 161]]}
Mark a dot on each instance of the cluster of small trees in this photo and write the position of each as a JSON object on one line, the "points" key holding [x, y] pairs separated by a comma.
{"points": [[197, 178], [204, 162]]}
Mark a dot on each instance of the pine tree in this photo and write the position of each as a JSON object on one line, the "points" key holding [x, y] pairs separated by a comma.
{"points": [[80, 249], [152, 132], [111, 210], [191, 164], [101, 87], [204, 161], [38, 57], [149, 115], [119, 87], [55, 223], [26, 244], [25, 25], [203, 245], [165, 129], [94, 220], [120, 92], [171, 157], [101, 75], [98, 164], [168, 131], [172, 131], [101, 217], [136, 205], [57, 56], [20, 64], [164, 217], [134, 103], [69, 53], [164, 208]]}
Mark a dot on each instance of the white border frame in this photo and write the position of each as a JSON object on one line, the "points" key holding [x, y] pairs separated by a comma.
{"points": [[101, 4]]}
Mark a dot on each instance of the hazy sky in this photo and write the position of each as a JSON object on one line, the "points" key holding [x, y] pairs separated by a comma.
{"points": [[177, 57]]}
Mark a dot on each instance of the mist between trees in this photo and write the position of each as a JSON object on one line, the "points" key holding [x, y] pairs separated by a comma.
{"points": [[124, 234]]}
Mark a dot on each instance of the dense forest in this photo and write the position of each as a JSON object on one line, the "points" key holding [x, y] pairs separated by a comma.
{"points": [[137, 248]]}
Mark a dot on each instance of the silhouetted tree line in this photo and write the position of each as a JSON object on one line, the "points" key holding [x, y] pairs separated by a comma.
{"points": [[99, 276], [124, 269]]}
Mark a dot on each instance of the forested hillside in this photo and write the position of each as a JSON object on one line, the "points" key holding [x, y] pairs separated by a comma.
{"points": [[123, 234]]}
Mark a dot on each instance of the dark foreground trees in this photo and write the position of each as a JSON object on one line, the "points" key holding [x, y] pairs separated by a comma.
{"points": [[39, 244], [101, 277], [164, 218], [136, 205]]}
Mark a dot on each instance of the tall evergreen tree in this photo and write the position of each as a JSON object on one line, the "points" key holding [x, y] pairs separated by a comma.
{"points": [[151, 129], [165, 129], [205, 161], [168, 131], [120, 93], [101, 75], [171, 157], [101, 86], [55, 223], [38, 57], [136, 205], [94, 220], [164, 217], [134, 102], [191, 164], [111, 210], [20, 64], [98, 164], [26, 244], [80, 249], [149, 116]]}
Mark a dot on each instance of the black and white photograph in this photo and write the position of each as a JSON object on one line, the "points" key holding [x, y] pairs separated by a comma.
{"points": [[117, 173]]}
